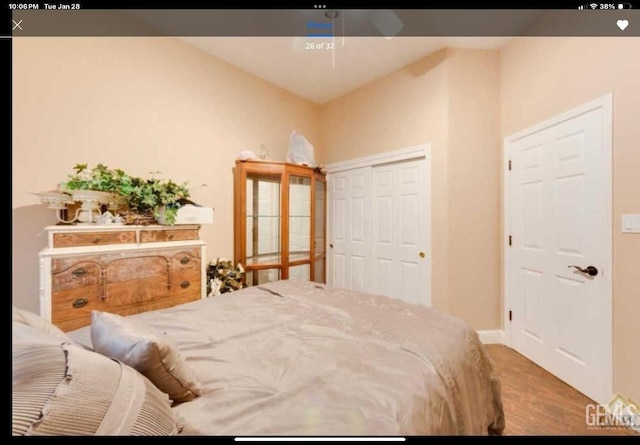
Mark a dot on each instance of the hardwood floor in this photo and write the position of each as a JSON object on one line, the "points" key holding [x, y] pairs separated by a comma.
{"points": [[538, 403]]}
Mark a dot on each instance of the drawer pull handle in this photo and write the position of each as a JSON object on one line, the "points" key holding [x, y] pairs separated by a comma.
{"points": [[170, 236], [79, 272], [184, 260], [80, 302], [184, 284], [97, 239]]}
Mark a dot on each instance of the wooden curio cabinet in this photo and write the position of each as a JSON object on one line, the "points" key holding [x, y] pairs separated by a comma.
{"points": [[279, 221]]}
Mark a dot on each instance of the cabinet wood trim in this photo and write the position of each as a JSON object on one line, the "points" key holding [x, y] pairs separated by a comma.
{"points": [[282, 170]]}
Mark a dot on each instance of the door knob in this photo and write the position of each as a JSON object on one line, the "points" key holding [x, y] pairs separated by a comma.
{"points": [[421, 254], [331, 246], [588, 270]]}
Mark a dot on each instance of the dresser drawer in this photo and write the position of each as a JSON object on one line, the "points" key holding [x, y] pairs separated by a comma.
{"points": [[59, 265], [160, 235], [75, 303], [79, 274], [188, 259], [186, 282], [72, 239], [69, 324]]}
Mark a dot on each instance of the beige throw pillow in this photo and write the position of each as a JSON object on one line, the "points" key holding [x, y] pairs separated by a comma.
{"points": [[65, 390], [141, 347], [39, 323], [25, 333]]}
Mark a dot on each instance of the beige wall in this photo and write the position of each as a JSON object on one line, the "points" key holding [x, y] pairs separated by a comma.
{"points": [[543, 77], [403, 109], [140, 104], [449, 99], [474, 170]]}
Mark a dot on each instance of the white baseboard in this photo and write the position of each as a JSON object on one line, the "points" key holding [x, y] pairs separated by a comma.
{"points": [[491, 336]]}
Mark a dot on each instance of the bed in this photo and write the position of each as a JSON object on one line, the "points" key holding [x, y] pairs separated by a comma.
{"points": [[295, 358]]}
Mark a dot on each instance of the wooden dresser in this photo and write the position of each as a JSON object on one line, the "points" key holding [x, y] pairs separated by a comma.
{"points": [[119, 269]]}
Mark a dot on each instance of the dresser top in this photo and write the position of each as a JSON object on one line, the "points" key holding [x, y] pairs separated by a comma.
{"points": [[106, 227]]}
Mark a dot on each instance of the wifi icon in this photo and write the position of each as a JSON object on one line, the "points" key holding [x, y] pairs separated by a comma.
{"points": [[593, 5]]}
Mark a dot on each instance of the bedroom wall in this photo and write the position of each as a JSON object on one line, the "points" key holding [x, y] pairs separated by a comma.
{"points": [[140, 104], [450, 99], [543, 77], [406, 108], [474, 171]]}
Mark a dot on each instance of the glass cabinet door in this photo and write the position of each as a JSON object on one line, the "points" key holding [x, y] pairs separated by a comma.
{"points": [[299, 219], [279, 221], [318, 271], [263, 221], [299, 228], [300, 272], [319, 231], [262, 276], [319, 218]]}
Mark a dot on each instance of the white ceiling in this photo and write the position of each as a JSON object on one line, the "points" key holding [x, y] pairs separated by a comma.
{"points": [[321, 75]]}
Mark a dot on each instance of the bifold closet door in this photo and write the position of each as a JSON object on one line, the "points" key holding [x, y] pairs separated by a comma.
{"points": [[400, 262], [378, 230], [349, 229]]}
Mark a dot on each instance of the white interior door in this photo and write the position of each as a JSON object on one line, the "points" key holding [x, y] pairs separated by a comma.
{"points": [[400, 265], [378, 231], [558, 216], [349, 229]]}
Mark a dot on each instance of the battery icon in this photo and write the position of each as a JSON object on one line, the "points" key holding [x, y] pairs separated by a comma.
{"points": [[620, 6], [624, 6]]}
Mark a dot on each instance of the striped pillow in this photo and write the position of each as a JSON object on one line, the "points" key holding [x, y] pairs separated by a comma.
{"points": [[63, 389]]}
